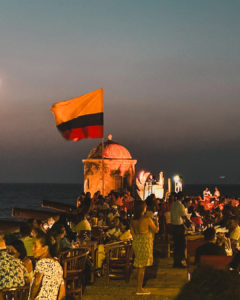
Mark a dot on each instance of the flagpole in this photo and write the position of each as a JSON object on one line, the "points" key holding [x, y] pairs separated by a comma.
{"points": [[103, 154], [103, 166]]}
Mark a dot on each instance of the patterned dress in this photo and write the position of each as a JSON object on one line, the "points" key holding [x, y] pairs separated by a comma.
{"points": [[11, 271], [143, 249], [52, 278]]}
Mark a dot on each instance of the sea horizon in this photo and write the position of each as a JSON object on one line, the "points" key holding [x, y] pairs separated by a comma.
{"points": [[30, 195], [204, 183]]}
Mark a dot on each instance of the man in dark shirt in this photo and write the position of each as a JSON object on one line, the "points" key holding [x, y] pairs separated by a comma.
{"points": [[210, 247]]}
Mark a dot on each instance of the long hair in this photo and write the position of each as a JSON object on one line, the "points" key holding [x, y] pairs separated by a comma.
{"points": [[19, 246], [49, 240], [139, 207]]}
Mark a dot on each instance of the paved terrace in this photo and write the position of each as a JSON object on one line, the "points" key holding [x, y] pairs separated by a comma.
{"points": [[163, 281]]}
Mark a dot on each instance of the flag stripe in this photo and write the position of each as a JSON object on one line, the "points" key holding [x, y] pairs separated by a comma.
{"points": [[83, 133], [91, 103], [82, 121]]}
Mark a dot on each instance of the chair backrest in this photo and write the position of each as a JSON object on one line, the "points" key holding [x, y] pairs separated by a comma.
{"points": [[216, 261], [119, 261], [71, 253], [74, 264], [121, 251], [19, 293], [113, 244]]}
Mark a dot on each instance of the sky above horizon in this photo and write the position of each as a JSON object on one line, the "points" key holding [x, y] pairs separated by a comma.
{"points": [[170, 71]]}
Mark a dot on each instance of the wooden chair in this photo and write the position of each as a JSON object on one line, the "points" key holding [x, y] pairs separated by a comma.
{"points": [[19, 293], [119, 259], [73, 268], [91, 246], [216, 261], [71, 253]]}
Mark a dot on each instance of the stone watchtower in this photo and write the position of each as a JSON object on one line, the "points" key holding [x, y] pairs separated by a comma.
{"points": [[118, 166]]}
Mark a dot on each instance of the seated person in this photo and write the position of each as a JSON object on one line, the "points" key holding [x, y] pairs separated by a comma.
{"points": [[125, 231], [223, 241], [210, 247], [25, 236], [195, 218], [112, 214], [101, 219], [62, 221], [123, 234], [12, 270], [114, 233], [82, 222], [17, 249], [61, 239], [36, 225], [101, 204]]}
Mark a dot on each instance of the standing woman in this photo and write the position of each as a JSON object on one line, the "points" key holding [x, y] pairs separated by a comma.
{"points": [[47, 282], [142, 229]]}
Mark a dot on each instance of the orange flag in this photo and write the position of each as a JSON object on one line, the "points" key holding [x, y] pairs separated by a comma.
{"points": [[81, 117]]}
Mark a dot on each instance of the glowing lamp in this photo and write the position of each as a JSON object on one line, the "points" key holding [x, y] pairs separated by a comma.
{"points": [[178, 183], [176, 178]]}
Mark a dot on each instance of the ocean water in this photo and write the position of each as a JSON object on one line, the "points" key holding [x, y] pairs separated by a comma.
{"points": [[31, 195]]}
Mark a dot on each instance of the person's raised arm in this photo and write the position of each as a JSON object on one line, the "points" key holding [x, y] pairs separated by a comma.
{"points": [[37, 280], [153, 225]]}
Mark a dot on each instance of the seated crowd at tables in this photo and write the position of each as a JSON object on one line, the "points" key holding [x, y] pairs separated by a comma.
{"points": [[31, 256], [218, 224]]}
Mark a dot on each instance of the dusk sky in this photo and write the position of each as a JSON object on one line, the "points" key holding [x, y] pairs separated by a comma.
{"points": [[170, 71]]}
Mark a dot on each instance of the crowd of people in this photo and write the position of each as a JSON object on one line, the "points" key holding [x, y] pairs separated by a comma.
{"points": [[219, 225], [32, 255]]}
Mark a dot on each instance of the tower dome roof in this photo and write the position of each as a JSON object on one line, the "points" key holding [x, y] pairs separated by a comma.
{"points": [[112, 150]]}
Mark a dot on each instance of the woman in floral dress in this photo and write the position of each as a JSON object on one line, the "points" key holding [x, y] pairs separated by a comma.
{"points": [[48, 273], [142, 229]]}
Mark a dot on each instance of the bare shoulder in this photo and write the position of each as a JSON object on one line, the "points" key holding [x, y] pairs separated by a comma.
{"points": [[146, 220]]}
